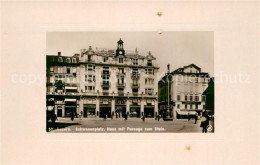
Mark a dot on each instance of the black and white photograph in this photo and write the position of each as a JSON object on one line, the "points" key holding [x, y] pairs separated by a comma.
{"points": [[130, 82], [127, 82]]}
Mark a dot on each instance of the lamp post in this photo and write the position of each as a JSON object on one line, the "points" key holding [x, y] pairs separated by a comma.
{"points": [[168, 111]]}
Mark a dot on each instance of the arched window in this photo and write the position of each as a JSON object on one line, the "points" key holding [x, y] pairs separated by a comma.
{"points": [[74, 60], [68, 60]]}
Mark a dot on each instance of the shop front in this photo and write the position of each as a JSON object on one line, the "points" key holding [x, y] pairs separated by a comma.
{"points": [[89, 110], [135, 111], [70, 107], [149, 111], [120, 111]]}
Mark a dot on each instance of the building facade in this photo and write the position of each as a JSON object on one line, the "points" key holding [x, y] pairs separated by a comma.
{"points": [[186, 86], [102, 82]]}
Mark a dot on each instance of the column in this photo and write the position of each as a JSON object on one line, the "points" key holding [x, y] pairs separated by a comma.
{"points": [[156, 108], [113, 104], [56, 109], [128, 107], [63, 110], [97, 108], [142, 107], [81, 107]]}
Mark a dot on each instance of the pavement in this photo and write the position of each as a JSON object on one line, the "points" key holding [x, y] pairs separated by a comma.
{"points": [[120, 125]]}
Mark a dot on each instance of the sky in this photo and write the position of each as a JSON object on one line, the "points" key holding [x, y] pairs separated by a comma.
{"points": [[175, 48]]}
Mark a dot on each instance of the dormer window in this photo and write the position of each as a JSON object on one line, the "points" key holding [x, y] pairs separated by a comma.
{"points": [[149, 63], [60, 59], [135, 61], [68, 60], [105, 59], [121, 60], [74, 60]]}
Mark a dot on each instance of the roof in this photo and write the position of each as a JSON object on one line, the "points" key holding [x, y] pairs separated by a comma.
{"points": [[195, 66]]}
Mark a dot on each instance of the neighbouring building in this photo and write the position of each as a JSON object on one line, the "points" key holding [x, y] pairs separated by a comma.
{"points": [[186, 86], [102, 82]]}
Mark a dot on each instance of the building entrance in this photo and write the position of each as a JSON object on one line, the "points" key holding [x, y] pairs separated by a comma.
{"points": [[149, 112], [120, 111], [105, 111]]}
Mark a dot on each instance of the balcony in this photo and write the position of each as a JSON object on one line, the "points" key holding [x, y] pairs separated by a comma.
{"points": [[105, 84], [120, 74], [135, 85], [135, 75], [120, 84]]}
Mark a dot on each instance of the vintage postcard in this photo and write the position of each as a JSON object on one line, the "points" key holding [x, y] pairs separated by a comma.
{"points": [[119, 82]]}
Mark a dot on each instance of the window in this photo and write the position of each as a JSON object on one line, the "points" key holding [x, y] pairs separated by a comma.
{"points": [[74, 60], [203, 106], [203, 98], [190, 98], [90, 68], [135, 73], [186, 98], [68, 60], [149, 91], [178, 106], [196, 106], [149, 63], [121, 70], [68, 70], [51, 69], [178, 97], [135, 61], [105, 59], [191, 106], [121, 60], [149, 81], [149, 71], [196, 98], [185, 106], [60, 59]]}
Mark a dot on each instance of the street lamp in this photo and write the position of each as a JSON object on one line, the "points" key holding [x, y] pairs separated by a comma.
{"points": [[168, 111]]}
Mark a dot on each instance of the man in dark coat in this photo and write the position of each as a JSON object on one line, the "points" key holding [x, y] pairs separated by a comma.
{"points": [[204, 121]]}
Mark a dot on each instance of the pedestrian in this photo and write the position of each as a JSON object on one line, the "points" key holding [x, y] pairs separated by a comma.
{"points": [[204, 121], [158, 117], [72, 116], [143, 118], [196, 117], [53, 119]]}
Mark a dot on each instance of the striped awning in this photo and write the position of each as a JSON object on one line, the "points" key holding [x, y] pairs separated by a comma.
{"points": [[70, 100], [186, 112], [74, 88]]}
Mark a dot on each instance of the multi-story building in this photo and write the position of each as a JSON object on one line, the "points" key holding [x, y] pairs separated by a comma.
{"points": [[186, 86], [102, 82]]}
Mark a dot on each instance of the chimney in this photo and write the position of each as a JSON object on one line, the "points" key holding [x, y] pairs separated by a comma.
{"points": [[168, 68], [59, 53]]}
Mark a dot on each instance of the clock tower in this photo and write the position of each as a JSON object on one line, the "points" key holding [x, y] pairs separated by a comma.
{"points": [[120, 49]]}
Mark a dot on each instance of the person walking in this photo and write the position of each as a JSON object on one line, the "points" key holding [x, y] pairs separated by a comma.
{"points": [[143, 118], [204, 121], [196, 117], [72, 116], [53, 119]]}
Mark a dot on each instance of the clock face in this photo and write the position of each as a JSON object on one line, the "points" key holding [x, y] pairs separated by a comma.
{"points": [[120, 52]]}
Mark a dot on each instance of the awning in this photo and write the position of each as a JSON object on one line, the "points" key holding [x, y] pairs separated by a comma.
{"points": [[70, 100], [50, 108], [74, 88], [186, 112]]}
